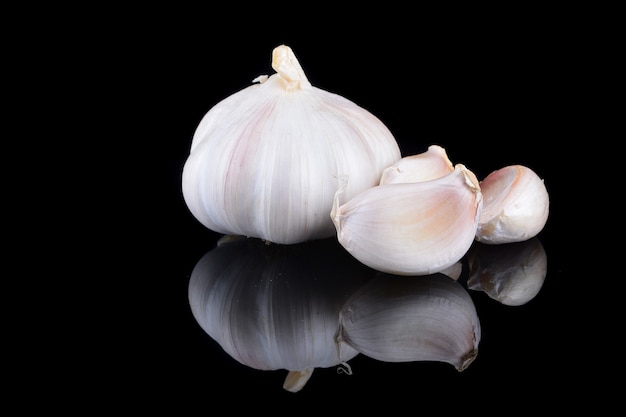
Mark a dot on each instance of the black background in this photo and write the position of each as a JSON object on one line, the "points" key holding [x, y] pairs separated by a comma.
{"points": [[492, 92], [489, 102]]}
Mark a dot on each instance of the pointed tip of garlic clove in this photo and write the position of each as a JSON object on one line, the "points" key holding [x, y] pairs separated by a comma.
{"points": [[516, 205], [467, 360], [470, 178], [424, 166], [286, 64]]}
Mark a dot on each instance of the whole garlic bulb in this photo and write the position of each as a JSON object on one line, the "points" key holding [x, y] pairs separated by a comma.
{"points": [[414, 228], [516, 205], [264, 161]]}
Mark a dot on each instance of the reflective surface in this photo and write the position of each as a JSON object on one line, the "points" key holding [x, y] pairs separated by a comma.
{"points": [[309, 324], [301, 307], [297, 308]]}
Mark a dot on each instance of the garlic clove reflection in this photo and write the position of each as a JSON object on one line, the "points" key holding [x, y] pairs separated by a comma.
{"points": [[429, 318], [516, 205], [428, 165], [511, 273], [411, 228], [276, 307]]}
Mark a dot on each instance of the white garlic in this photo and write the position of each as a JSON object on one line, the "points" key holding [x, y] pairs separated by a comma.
{"points": [[453, 271], [264, 161], [516, 205], [511, 273], [430, 318], [276, 307], [411, 228], [428, 165]]}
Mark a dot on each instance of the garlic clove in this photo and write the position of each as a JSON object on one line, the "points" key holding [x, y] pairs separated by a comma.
{"points": [[428, 165], [430, 318], [264, 161], [516, 205], [511, 273], [411, 228], [454, 271]]}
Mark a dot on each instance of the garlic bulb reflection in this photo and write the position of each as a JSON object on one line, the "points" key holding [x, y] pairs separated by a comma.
{"points": [[275, 307], [264, 161], [511, 273], [411, 228], [428, 165], [429, 318], [516, 205]]}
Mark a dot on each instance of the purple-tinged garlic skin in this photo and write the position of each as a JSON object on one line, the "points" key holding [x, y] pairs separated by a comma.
{"points": [[516, 205]]}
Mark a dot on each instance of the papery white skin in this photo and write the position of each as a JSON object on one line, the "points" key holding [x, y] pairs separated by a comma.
{"points": [[411, 228], [511, 273], [430, 318], [264, 161], [453, 271], [430, 164], [516, 205]]}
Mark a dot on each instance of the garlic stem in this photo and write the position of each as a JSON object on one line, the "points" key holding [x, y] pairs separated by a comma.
{"points": [[286, 64], [296, 380]]}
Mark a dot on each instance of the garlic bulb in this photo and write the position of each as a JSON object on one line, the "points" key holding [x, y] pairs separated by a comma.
{"points": [[512, 273], [430, 318], [411, 228], [264, 161], [516, 205], [276, 307], [428, 165]]}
